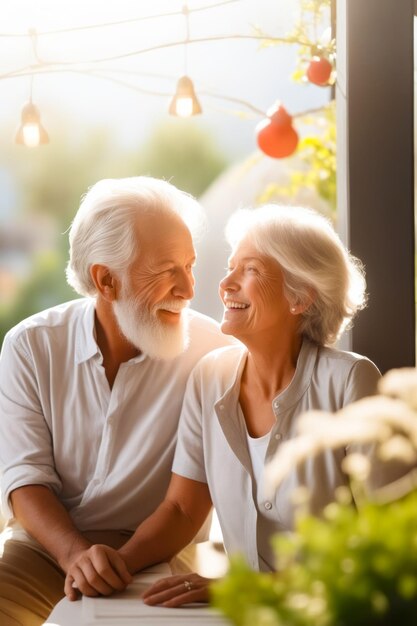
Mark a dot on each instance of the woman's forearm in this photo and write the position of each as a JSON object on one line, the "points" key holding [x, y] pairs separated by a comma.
{"points": [[171, 527]]}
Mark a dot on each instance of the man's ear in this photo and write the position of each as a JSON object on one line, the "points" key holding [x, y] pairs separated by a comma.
{"points": [[106, 283]]}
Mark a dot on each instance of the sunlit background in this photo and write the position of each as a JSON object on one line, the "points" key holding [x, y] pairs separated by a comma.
{"points": [[103, 100]]}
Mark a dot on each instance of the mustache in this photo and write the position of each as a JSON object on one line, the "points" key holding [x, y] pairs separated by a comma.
{"points": [[172, 305]]}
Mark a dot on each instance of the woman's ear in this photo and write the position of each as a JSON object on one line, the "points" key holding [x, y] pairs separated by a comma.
{"points": [[300, 307], [105, 282]]}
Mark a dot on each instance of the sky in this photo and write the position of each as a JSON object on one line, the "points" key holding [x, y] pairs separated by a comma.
{"points": [[236, 68]]}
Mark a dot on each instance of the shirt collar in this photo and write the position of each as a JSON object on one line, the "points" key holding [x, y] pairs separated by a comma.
{"points": [[301, 379], [85, 333]]}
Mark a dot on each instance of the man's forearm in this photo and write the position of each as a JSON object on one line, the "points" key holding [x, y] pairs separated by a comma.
{"points": [[43, 516]]}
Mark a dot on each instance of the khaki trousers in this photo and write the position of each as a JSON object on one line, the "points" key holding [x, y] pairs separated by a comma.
{"points": [[31, 582]]}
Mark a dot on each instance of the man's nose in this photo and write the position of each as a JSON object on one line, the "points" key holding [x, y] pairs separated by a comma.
{"points": [[184, 285]]}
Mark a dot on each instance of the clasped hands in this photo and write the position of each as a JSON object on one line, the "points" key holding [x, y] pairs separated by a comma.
{"points": [[100, 571]]}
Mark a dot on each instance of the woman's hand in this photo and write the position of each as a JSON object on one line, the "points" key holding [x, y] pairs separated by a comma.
{"points": [[178, 590], [97, 571]]}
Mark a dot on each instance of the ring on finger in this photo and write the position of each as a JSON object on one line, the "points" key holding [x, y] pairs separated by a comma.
{"points": [[188, 585]]}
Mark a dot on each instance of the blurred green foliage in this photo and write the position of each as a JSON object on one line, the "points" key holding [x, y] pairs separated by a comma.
{"points": [[179, 151], [351, 568], [50, 181]]}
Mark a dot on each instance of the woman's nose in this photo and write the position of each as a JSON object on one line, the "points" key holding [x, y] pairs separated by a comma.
{"points": [[228, 283]]}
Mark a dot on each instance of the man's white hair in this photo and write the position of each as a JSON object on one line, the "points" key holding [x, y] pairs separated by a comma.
{"points": [[104, 228], [314, 262]]}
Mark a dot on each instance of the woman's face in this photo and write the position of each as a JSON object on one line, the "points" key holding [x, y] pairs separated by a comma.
{"points": [[253, 294]]}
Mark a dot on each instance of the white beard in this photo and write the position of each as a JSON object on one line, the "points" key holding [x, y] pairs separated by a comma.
{"points": [[147, 333]]}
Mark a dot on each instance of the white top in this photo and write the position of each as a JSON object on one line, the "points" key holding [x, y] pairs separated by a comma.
{"points": [[212, 444], [107, 454], [257, 447]]}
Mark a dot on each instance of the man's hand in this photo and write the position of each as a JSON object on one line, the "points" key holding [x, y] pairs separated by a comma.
{"points": [[96, 571], [178, 590]]}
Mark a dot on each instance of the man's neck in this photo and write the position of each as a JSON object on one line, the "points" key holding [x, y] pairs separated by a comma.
{"points": [[115, 348]]}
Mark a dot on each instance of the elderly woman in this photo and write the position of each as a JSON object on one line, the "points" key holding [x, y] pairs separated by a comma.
{"points": [[291, 288]]}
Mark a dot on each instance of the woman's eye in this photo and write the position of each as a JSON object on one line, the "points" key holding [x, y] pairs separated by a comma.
{"points": [[251, 268]]}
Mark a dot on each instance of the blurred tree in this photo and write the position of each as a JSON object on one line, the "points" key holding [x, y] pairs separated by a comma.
{"points": [[183, 153]]}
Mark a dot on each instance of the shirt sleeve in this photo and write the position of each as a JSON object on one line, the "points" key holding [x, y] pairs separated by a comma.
{"points": [[362, 381], [26, 455], [189, 453]]}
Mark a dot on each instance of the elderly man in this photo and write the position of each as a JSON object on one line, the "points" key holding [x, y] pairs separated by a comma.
{"points": [[91, 392]]}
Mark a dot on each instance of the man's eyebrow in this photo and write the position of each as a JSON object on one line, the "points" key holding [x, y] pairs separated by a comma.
{"points": [[173, 262]]}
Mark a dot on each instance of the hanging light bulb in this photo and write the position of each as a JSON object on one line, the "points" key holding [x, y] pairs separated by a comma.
{"points": [[31, 133], [185, 103], [276, 135]]}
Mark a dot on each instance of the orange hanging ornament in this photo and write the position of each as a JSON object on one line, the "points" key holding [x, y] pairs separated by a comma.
{"points": [[319, 71], [276, 135]]}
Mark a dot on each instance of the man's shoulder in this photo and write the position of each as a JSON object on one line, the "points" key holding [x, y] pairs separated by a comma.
{"points": [[202, 326], [205, 335], [200, 320], [223, 361], [53, 317]]}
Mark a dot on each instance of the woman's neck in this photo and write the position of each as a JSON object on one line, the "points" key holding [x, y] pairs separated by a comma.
{"points": [[271, 370]]}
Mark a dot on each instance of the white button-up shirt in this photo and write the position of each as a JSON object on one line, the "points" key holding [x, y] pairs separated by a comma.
{"points": [[212, 441], [106, 453]]}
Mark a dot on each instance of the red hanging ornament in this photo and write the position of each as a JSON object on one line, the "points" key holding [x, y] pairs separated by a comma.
{"points": [[276, 135], [319, 71]]}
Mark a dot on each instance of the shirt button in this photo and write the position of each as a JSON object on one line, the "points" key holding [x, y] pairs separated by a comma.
{"points": [[221, 407], [268, 505], [278, 436], [276, 404]]}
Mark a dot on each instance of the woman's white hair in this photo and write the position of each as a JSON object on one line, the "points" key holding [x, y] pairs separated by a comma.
{"points": [[104, 228], [317, 268]]}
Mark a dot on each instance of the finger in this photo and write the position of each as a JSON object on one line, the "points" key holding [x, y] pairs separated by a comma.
{"points": [[120, 567], [103, 560], [162, 584], [161, 596], [89, 582], [100, 572], [195, 595], [70, 591]]}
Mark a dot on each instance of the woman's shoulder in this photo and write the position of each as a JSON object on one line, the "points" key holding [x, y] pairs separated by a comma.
{"points": [[343, 359], [353, 374]]}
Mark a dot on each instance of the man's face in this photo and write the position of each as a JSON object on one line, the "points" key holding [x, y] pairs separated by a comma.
{"points": [[157, 287]]}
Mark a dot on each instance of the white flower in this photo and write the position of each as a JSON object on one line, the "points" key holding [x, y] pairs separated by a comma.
{"points": [[377, 419], [357, 466], [397, 447], [400, 383]]}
